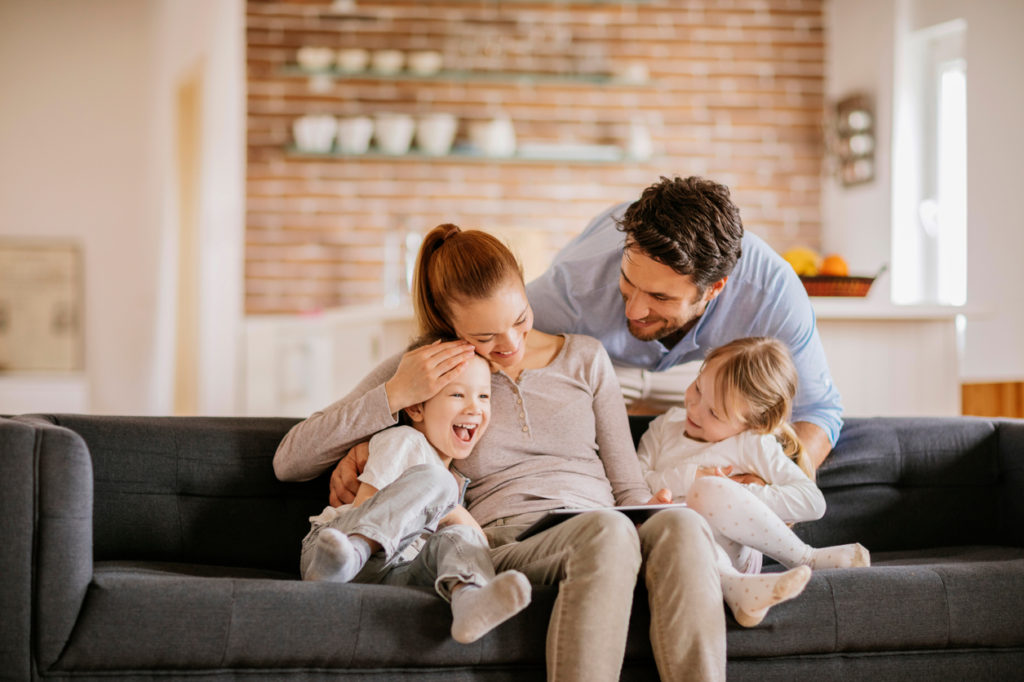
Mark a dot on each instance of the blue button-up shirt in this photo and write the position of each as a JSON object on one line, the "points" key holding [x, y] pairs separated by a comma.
{"points": [[579, 293]]}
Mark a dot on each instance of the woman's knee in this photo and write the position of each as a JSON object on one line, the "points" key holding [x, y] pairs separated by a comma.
{"points": [[683, 528], [609, 535]]}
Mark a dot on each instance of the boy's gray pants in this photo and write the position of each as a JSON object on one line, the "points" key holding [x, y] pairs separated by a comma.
{"points": [[413, 504]]}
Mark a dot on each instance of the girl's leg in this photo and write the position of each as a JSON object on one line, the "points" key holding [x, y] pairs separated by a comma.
{"points": [[749, 596], [399, 513], [736, 513]]}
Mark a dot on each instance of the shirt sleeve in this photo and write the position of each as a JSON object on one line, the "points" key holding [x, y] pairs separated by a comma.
{"points": [[614, 439], [789, 492], [655, 452], [392, 451], [321, 440]]}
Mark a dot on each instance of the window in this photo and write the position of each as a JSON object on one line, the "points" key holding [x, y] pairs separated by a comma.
{"points": [[930, 168]]}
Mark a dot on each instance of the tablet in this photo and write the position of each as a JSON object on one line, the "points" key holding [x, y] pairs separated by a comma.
{"points": [[637, 512]]}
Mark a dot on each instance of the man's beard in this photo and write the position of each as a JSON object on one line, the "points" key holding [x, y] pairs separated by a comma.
{"points": [[654, 334]]}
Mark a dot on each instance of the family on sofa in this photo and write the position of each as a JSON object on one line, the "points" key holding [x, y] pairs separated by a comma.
{"points": [[441, 463]]}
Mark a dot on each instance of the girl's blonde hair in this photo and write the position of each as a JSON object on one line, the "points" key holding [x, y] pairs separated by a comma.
{"points": [[760, 370], [457, 266]]}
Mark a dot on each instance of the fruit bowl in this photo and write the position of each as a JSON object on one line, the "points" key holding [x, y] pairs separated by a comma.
{"points": [[834, 285]]}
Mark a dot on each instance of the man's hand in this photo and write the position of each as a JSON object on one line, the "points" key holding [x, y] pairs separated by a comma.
{"points": [[748, 479], [460, 516], [345, 479]]}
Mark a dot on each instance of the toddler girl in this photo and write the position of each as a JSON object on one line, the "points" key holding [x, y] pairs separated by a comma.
{"points": [[406, 525], [734, 422]]}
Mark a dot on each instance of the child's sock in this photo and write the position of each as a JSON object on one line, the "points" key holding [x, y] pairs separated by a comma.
{"points": [[338, 557], [840, 556], [478, 610], [750, 596]]}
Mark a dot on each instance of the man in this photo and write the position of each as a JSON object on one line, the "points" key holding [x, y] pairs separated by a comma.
{"points": [[665, 279]]}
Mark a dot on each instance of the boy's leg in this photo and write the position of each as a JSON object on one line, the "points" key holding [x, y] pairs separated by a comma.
{"points": [[736, 513], [594, 558], [399, 513], [685, 596], [456, 562]]}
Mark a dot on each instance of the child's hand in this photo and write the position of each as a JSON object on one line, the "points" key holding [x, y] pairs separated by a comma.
{"points": [[345, 478], [724, 472], [424, 371], [663, 496]]}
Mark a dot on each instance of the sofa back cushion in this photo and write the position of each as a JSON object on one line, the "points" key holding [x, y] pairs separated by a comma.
{"points": [[194, 490]]}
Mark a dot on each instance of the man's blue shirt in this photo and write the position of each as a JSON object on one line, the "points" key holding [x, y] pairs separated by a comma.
{"points": [[579, 294]]}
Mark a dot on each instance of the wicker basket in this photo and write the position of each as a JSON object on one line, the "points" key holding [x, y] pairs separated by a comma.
{"points": [[831, 285]]}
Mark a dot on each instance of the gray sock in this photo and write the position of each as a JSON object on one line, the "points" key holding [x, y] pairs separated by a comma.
{"points": [[337, 557]]}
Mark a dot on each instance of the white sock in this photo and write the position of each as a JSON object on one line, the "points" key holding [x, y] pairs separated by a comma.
{"points": [[478, 610], [750, 596], [337, 557], [853, 555]]}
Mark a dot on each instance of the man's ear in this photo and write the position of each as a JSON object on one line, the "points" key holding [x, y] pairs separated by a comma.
{"points": [[415, 412], [712, 292]]}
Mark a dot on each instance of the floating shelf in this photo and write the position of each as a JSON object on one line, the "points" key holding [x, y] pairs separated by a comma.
{"points": [[588, 154], [520, 77]]}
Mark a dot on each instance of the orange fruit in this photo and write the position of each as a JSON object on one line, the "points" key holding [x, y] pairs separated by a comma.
{"points": [[835, 266]]}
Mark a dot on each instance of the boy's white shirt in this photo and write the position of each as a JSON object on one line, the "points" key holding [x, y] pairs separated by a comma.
{"points": [[670, 459]]}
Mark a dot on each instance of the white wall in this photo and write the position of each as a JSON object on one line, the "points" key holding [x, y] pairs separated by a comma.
{"points": [[86, 154], [861, 35]]}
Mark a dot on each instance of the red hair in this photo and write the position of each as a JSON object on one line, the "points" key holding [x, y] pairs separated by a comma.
{"points": [[456, 266]]}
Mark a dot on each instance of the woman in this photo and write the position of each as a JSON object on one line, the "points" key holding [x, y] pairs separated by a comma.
{"points": [[559, 437]]}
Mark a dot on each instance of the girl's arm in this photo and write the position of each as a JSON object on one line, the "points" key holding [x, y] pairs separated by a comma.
{"points": [[656, 452], [788, 491]]}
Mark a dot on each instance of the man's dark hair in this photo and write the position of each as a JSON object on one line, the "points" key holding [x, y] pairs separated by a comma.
{"points": [[690, 225]]}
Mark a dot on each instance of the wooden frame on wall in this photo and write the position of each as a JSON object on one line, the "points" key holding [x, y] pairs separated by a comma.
{"points": [[41, 306]]}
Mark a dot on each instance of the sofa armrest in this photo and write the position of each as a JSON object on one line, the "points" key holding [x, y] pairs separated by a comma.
{"points": [[46, 533]]}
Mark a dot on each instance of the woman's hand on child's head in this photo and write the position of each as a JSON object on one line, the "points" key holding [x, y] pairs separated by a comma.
{"points": [[663, 496], [723, 472], [345, 478], [424, 371]]}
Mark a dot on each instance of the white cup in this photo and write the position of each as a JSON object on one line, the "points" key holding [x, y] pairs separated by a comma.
{"points": [[354, 133], [435, 133], [387, 61], [315, 133], [393, 132], [352, 59]]}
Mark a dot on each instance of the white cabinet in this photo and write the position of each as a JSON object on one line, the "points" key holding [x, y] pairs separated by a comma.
{"points": [[298, 364], [889, 360]]}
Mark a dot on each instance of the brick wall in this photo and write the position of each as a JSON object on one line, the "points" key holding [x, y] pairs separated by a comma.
{"points": [[735, 93]]}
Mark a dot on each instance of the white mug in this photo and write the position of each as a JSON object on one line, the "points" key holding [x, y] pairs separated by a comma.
{"points": [[393, 132], [435, 133], [354, 133]]}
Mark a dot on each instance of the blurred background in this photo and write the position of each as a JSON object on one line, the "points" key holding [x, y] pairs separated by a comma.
{"points": [[210, 206]]}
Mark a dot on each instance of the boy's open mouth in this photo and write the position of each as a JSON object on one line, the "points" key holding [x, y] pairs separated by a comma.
{"points": [[464, 432]]}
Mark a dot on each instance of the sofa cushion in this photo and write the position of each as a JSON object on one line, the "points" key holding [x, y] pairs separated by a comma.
{"points": [[142, 616]]}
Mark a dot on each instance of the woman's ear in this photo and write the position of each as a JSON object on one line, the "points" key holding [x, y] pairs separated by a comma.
{"points": [[415, 412]]}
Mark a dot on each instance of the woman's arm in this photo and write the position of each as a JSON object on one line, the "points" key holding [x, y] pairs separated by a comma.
{"points": [[614, 439], [318, 442]]}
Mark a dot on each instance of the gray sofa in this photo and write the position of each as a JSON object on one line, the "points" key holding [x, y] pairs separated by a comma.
{"points": [[165, 548]]}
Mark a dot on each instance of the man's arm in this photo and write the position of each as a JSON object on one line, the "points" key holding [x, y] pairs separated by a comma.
{"points": [[815, 441]]}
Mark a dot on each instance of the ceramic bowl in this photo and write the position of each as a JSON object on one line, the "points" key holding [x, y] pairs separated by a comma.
{"points": [[425, 62], [352, 59], [354, 133], [315, 58], [435, 133], [387, 61], [393, 132], [315, 133]]}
